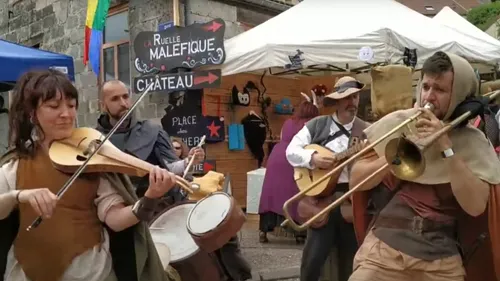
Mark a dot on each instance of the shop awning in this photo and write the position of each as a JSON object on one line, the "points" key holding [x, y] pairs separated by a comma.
{"points": [[16, 59]]}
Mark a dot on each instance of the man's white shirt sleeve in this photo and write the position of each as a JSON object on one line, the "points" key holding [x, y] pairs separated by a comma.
{"points": [[296, 155]]}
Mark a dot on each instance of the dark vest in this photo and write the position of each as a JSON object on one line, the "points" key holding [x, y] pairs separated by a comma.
{"points": [[319, 128]]}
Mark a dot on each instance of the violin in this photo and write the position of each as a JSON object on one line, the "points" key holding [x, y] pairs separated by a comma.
{"points": [[87, 152], [68, 155]]}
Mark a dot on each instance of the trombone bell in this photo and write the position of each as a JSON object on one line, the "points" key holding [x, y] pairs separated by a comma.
{"points": [[406, 159]]}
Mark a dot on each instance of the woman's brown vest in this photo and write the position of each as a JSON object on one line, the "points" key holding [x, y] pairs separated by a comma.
{"points": [[46, 251]]}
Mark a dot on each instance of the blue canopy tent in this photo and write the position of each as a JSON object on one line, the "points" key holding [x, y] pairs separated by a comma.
{"points": [[16, 59]]}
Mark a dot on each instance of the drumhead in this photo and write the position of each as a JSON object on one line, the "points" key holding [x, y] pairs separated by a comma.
{"points": [[170, 229], [209, 213]]}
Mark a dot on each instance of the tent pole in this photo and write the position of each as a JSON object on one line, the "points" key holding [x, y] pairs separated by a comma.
{"points": [[176, 12]]}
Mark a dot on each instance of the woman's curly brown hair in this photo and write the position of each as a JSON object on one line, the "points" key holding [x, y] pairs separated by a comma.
{"points": [[32, 89]]}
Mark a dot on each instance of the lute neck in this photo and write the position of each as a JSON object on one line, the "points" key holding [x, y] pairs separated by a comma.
{"points": [[348, 152]]}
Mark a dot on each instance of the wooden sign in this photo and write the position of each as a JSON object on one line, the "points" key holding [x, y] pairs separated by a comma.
{"points": [[178, 81], [193, 46]]}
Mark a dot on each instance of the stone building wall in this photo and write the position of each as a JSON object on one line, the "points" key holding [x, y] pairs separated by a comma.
{"points": [[58, 26]]}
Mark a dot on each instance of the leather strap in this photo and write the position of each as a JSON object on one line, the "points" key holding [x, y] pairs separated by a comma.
{"points": [[144, 209], [416, 224], [341, 128]]}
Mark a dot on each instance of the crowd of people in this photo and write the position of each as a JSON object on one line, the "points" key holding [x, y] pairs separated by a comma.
{"points": [[98, 231]]}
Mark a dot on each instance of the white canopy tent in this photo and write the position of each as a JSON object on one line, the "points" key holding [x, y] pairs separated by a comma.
{"points": [[332, 32], [450, 18], [453, 20]]}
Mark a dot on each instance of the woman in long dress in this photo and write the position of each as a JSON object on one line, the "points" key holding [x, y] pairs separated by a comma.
{"points": [[279, 184]]}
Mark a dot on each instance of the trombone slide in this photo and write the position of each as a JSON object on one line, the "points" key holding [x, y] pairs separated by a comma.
{"points": [[339, 168], [406, 164], [340, 200]]}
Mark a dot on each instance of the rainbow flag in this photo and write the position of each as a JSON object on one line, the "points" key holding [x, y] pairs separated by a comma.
{"points": [[97, 12]]}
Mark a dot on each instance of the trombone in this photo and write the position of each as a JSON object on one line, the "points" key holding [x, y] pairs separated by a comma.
{"points": [[406, 158]]}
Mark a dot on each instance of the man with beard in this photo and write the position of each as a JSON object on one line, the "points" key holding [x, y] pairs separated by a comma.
{"points": [[141, 138], [420, 232], [149, 142], [335, 132]]}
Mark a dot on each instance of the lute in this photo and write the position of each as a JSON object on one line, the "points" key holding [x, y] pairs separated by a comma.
{"points": [[304, 177]]}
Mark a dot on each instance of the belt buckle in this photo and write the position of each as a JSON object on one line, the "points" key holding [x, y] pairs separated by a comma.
{"points": [[417, 224]]}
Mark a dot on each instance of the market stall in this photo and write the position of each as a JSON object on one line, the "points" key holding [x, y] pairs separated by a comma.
{"points": [[348, 35]]}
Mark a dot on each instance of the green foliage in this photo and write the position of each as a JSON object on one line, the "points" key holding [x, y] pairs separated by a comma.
{"points": [[485, 15]]}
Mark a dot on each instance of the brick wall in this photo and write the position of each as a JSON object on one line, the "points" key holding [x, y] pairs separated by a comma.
{"points": [[58, 26]]}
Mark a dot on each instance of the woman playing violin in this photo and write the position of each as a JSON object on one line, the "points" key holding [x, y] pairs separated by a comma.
{"points": [[80, 230]]}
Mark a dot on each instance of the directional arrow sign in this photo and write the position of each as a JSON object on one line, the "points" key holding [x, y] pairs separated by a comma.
{"points": [[196, 45], [205, 167], [210, 78], [178, 81]]}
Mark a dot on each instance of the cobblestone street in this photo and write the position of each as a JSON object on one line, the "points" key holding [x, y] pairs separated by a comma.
{"points": [[277, 260]]}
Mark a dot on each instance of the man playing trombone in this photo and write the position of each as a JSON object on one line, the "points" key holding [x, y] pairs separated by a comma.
{"points": [[334, 132], [414, 236]]}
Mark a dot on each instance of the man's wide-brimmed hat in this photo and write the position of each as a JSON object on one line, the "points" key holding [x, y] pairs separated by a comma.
{"points": [[345, 87]]}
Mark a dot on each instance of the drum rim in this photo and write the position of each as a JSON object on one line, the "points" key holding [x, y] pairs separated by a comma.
{"points": [[201, 200], [150, 223]]}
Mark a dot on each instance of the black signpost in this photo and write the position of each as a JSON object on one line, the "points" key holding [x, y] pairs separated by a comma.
{"points": [[167, 59], [192, 46], [183, 117], [165, 83]]}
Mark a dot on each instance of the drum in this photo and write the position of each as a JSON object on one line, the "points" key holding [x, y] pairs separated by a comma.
{"points": [[164, 254], [168, 229], [214, 220]]}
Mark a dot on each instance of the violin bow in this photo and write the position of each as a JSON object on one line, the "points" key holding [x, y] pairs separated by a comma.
{"points": [[94, 150]]}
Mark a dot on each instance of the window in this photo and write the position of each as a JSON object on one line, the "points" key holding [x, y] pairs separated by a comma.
{"points": [[115, 57], [429, 8]]}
